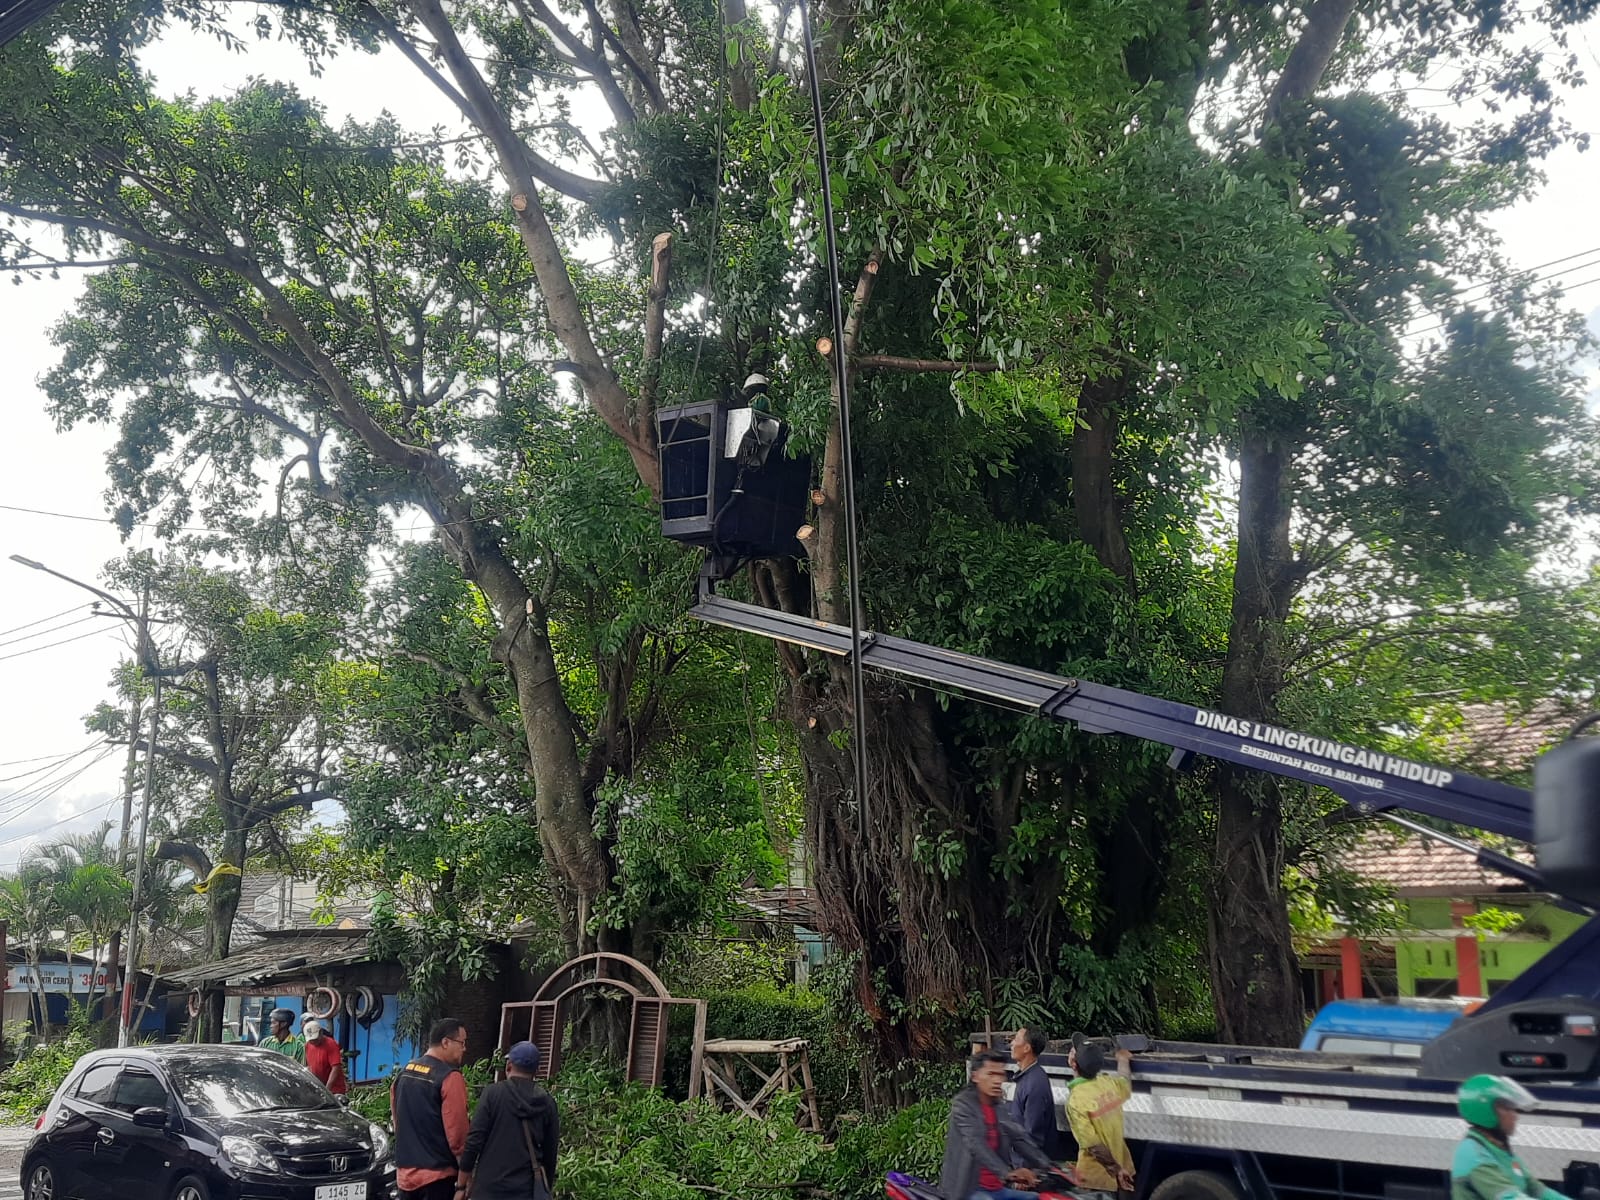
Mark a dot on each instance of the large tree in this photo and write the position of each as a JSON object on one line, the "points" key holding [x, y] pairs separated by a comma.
{"points": [[1030, 213]]}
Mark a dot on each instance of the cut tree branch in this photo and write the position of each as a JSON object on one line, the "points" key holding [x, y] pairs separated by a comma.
{"points": [[655, 329], [187, 853], [944, 366]]}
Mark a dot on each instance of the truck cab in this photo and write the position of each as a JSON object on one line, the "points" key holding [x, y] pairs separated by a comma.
{"points": [[1397, 1027]]}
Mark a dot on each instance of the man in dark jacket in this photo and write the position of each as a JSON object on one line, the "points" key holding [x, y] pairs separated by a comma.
{"points": [[429, 1102], [1033, 1103], [511, 1147], [982, 1143]]}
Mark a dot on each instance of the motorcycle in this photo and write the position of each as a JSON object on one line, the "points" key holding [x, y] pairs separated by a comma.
{"points": [[1053, 1185]]}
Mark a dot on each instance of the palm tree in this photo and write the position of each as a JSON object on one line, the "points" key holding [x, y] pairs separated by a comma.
{"points": [[27, 905], [87, 890]]}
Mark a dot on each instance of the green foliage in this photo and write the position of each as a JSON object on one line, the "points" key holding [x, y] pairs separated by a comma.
{"points": [[29, 1082], [769, 1013], [1493, 921], [622, 1139]]}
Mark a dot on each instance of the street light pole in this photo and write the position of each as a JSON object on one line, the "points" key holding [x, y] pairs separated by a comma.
{"points": [[147, 663]]}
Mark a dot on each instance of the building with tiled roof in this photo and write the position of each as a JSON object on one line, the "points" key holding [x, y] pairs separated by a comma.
{"points": [[1416, 866], [1460, 928]]}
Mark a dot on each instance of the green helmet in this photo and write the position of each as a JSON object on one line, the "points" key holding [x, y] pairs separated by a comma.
{"points": [[1477, 1097]]}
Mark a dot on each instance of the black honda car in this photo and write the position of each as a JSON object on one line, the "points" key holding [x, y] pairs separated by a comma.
{"points": [[202, 1123]]}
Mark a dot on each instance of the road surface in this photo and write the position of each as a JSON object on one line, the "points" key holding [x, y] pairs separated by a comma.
{"points": [[12, 1139]]}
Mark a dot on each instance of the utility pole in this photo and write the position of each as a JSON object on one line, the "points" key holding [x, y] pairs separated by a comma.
{"points": [[151, 669], [125, 1023], [130, 780]]}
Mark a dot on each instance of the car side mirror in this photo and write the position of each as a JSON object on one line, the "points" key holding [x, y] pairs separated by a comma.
{"points": [[150, 1118], [344, 1101]]}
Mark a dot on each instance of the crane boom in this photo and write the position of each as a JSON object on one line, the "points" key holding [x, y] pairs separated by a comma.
{"points": [[1370, 781]]}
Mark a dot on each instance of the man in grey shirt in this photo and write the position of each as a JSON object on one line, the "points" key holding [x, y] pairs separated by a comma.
{"points": [[982, 1143]]}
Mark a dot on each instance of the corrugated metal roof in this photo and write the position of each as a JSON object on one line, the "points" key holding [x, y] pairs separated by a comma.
{"points": [[280, 955]]}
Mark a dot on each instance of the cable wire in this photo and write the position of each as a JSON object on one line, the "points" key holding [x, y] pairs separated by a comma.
{"points": [[51, 645], [39, 633], [841, 368], [42, 620]]}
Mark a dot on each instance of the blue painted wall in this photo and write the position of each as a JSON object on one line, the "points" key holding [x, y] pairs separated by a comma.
{"points": [[378, 1050]]}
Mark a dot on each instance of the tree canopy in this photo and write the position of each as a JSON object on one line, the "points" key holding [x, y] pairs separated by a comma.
{"points": [[1137, 392]]}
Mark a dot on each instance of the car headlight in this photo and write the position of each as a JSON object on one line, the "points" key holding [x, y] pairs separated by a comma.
{"points": [[246, 1155], [380, 1142]]}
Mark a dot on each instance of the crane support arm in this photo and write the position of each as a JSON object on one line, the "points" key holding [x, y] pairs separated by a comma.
{"points": [[1370, 781]]}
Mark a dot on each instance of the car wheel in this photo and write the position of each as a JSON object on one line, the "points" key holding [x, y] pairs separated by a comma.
{"points": [[1195, 1185], [41, 1183], [190, 1187]]}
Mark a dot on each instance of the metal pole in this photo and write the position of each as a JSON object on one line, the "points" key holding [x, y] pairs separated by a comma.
{"points": [[147, 662], [124, 1030], [130, 779], [841, 366]]}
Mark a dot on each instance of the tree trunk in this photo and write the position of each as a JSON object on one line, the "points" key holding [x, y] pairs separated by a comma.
{"points": [[1254, 974], [1094, 482], [222, 906], [876, 900]]}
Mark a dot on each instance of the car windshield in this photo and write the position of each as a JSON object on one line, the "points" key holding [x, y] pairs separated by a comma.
{"points": [[230, 1087]]}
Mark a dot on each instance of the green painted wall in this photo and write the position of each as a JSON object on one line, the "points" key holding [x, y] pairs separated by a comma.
{"points": [[1426, 956]]}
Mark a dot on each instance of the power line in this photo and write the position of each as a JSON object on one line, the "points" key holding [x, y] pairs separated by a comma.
{"points": [[1588, 255], [1566, 288], [58, 761], [51, 645], [56, 788], [28, 637], [52, 617]]}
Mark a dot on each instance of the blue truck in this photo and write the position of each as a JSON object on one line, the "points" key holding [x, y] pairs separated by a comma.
{"points": [[1399, 1026]]}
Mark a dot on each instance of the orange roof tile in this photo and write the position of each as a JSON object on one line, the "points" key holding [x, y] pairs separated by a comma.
{"points": [[1419, 866]]}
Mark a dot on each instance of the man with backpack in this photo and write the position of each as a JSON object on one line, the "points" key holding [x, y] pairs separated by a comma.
{"points": [[511, 1147]]}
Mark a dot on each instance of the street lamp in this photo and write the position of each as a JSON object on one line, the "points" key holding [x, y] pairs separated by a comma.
{"points": [[147, 662]]}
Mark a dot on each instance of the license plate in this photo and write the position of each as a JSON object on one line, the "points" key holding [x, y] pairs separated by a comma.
{"points": [[342, 1191]]}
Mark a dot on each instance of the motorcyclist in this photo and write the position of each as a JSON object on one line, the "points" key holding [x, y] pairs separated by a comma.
{"points": [[1484, 1167]]}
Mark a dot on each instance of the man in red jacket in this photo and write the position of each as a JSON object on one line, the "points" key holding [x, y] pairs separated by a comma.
{"points": [[323, 1058]]}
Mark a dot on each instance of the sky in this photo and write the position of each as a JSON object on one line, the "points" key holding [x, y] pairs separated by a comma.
{"points": [[56, 660]]}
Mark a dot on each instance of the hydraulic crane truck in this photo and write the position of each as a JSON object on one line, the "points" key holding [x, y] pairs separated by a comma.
{"points": [[1212, 1122]]}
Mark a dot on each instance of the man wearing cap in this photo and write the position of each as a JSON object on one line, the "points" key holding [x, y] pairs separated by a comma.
{"points": [[1094, 1110], [323, 1058], [282, 1039], [511, 1148]]}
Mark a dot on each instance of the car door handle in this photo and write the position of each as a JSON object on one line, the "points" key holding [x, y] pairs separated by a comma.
{"points": [[106, 1136]]}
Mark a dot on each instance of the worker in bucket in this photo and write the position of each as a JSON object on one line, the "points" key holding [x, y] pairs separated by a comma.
{"points": [[1484, 1167]]}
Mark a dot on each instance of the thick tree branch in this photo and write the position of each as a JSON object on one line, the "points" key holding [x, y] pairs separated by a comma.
{"points": [[567, 319], [893, 362], [187, 853], [828, 545], [655, 329], [581, 56], [631, 51], [200, 766], [478, 105], [1325, 25]]}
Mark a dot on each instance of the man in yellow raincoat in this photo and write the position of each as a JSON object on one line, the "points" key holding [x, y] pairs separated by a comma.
{"points": [[1094, 1110]]}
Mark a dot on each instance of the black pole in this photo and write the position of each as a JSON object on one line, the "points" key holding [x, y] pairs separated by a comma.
{"points": [[841, 368]]}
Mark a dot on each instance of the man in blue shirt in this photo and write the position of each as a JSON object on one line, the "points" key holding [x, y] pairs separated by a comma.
{"points": [[1033, 1105]]}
